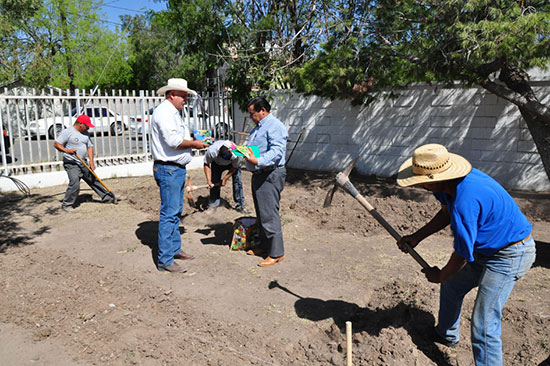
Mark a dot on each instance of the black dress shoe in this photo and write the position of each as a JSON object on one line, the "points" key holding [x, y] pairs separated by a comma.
{"points": [[183, 256], [255, 251]]}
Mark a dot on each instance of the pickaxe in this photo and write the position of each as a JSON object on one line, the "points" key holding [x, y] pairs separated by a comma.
{"points": [[343, 181], [115, 200], [190, 188], [296, 144]]}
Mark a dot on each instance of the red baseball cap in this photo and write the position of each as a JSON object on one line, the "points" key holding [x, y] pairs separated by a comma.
{"points": [[85, 120]]}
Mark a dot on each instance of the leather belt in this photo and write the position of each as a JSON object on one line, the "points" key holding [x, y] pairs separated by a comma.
{"points": [[160, 162], [267, 170], [517, 242]]}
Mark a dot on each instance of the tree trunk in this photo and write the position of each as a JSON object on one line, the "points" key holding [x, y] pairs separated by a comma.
{"points": [[540, 130], [65, 45], [536, 115]]}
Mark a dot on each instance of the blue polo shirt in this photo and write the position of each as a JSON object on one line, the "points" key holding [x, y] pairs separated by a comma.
{"points": [[484, 217]]}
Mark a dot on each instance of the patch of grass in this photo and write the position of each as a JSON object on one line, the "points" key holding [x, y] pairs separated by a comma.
{"points": [[357, 272], [273, 308], [286, 220], [254, 272], [130, 355], [545, 342]]}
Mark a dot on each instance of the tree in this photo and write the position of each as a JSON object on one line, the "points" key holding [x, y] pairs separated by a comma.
{"points": [[149, 53], [492, 44], [63, 43], [12, 14], [267, 40], [183, 41]]}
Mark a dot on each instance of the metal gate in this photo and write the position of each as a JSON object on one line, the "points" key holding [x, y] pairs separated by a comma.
{"points": [[30, 122]]}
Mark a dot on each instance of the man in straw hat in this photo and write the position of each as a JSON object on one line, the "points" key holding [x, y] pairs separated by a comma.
{"points": [[171, 145], [493, 246]]}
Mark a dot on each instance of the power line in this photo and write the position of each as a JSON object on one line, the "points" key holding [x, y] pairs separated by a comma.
{"points": [[121, 8], [116, 7]]}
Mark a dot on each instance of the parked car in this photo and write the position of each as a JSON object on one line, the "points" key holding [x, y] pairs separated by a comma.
{"points": [[221, 127], [103, 118], [141, 123]]}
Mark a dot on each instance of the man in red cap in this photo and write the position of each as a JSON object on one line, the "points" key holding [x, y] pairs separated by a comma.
{"points": [[76, 140]]}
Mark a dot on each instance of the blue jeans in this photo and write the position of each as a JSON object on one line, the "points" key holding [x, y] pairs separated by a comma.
{"points": [[171, 181], [495, 276], [238, 193]]}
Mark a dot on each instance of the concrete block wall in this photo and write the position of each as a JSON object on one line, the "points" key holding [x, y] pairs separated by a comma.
{"points": [[474, 123]]}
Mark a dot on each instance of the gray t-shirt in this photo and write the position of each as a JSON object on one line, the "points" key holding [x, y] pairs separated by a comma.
{"points": [[213, 151], [70, 138]]}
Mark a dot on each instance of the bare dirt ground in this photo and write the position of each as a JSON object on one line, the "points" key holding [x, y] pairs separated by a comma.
{"points": [[81, 288]]}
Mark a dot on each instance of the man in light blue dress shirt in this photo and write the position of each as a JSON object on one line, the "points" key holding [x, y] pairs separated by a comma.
{"points": [[268, 179]]}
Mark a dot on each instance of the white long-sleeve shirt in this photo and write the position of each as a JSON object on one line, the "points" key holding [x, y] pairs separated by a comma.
{"points": [[168, 130]]}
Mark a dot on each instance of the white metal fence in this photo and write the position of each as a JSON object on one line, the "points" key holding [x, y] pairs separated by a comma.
{"points": [[30, 122]]}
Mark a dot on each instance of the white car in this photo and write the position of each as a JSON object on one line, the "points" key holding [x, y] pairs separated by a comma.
{"points": [[141, 123], [221, 127], [103, 119]]}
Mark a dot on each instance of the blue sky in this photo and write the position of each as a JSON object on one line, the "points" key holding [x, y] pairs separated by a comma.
{"points": [[115, 8]]}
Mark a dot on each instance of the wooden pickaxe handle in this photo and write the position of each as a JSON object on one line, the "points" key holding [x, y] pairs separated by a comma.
{"points": [[194, 188], [344, 181], [95, 175]]}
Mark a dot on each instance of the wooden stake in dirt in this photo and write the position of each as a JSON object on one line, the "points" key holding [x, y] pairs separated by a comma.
{"points": [[348, 343]]}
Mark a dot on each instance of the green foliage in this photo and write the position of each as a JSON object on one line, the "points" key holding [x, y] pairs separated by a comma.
{"points": [[409, 40], [193, 33], [334, 48], [61, 43], [267, 40], [13, 14], [148, 52]]}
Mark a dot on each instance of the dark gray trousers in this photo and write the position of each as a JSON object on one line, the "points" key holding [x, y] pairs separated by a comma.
{"points": [[266, 191], [77, 171]]}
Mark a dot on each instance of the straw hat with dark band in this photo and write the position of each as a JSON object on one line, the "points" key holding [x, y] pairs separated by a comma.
{"points": [[432, 163]]}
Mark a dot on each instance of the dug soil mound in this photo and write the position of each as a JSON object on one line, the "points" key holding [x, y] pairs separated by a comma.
{"points": [[81, 288]]}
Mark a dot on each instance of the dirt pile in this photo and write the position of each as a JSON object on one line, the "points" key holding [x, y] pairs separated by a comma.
{"points": [[82, 289]]}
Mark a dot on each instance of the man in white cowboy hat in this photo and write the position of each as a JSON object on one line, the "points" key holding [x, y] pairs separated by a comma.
{"points": [[493, 246], [171, 145]]}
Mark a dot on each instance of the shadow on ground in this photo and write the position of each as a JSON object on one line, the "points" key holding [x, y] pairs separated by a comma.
{"points": [[222, 234], [147, 232], [543, 255], [12, 234], [417, 322], [368, 186]]}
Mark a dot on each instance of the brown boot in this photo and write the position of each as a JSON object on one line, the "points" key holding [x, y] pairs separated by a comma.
{"points": [[173, 268], [184, 256], [270, 261]]}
